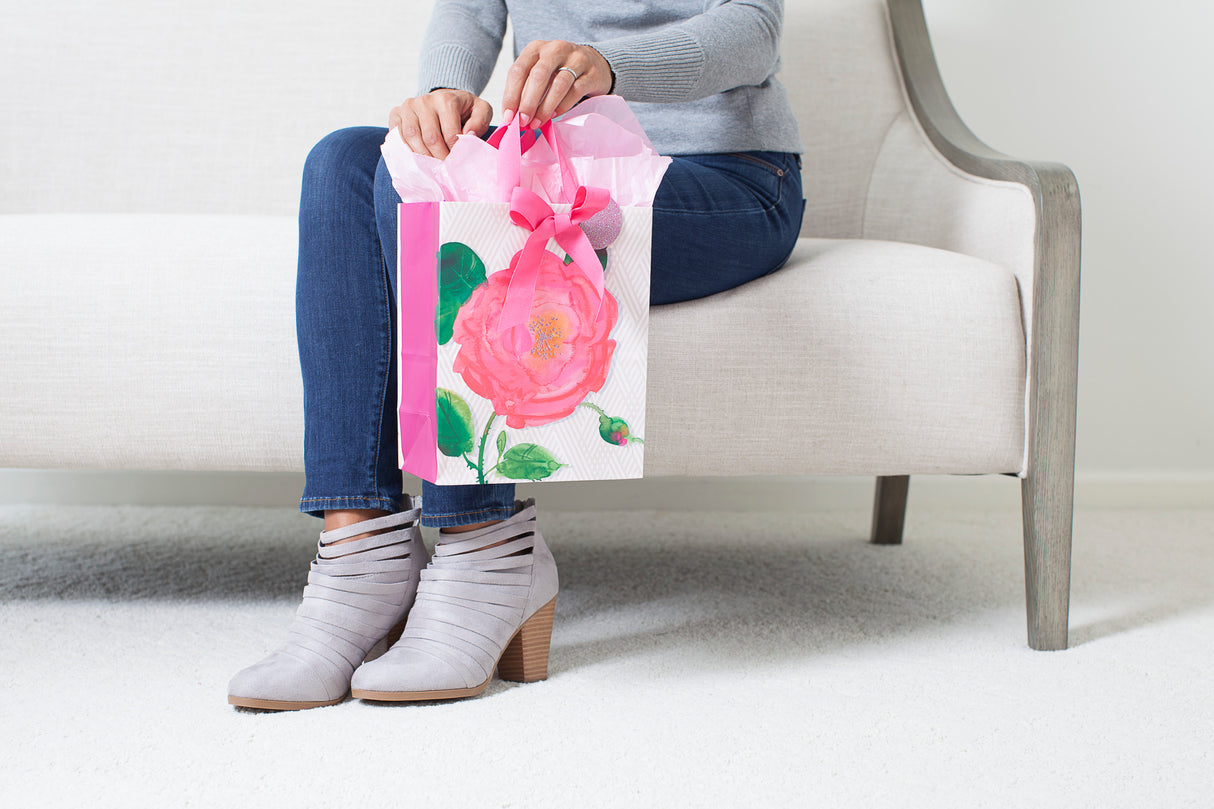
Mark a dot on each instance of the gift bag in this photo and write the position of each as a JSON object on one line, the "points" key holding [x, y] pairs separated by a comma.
{"points": [[523, 305]]}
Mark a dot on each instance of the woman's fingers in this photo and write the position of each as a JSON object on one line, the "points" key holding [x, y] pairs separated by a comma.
{"points": [[430, 124], [451, 117], [548, 78], [404, 118], [478, 122], [418, 125], [539, 82], [561, 88], [562, 94], [516, 78]]}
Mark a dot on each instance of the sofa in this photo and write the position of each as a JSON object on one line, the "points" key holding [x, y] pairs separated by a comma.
{"points": [[927, 323]]}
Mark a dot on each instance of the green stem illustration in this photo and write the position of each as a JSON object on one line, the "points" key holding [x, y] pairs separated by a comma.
{"points": [[480, 457], [456, 437]]}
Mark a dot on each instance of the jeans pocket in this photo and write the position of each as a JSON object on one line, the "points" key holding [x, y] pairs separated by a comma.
{"points": [[763, 174], [759, 160]]}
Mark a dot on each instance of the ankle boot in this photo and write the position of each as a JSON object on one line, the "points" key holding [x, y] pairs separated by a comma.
{"points": [[354, 606], [480, 606]]}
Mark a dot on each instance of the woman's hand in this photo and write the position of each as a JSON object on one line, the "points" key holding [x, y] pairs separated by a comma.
{"points": [[548, 78], [429, 124]]}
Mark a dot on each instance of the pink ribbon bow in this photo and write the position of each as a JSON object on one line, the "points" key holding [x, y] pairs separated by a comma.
{"points": [[529, 210]]}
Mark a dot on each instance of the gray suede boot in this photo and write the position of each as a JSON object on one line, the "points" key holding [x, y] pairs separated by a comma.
{"points": [[480, 606], [354, 605]]}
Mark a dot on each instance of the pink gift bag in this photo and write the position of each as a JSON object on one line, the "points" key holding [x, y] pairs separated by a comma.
{"points": [[524, 301]]}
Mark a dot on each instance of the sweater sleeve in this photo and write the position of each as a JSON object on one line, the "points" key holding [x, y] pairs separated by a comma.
{"points": [[734, 44], [461, 44]]}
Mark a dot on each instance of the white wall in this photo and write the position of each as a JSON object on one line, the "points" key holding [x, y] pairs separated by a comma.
{"points": [[1119, 91]]}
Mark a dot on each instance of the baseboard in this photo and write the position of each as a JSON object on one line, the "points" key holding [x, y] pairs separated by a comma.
{"points": [[1098, 490]]}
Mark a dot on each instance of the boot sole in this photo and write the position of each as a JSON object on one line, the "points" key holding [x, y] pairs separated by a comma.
{"points": [[279, 705]]}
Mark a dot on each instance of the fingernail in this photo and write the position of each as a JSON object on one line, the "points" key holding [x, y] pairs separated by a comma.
{"points": [[524, 119], [507, 117]]}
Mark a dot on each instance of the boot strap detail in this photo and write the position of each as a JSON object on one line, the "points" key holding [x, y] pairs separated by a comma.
{"points": [[474, 602]]}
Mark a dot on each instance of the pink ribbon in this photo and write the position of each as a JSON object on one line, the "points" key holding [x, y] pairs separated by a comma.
{"points": [[529, 210], [512, 143]]}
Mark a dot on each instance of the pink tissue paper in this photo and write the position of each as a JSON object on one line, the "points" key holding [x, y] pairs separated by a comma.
{"points": [[601, 140]]}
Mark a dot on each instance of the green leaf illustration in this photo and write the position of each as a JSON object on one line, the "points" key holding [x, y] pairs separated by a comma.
{"points": [[454, 424], [527, 462], [460, 270], [501, 442], [602, 254]]}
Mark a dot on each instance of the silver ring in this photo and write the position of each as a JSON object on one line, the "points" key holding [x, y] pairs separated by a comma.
{"points": [[572, 72]]}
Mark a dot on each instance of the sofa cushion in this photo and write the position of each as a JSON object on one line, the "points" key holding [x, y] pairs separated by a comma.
{"points": [[168, 342], [857, 358], [149, 342]]}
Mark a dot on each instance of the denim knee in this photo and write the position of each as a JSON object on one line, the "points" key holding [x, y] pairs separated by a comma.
{"points": [[343, 158]]}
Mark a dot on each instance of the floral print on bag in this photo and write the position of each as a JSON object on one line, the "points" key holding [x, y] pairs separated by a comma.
{"points": [[569, 358]]}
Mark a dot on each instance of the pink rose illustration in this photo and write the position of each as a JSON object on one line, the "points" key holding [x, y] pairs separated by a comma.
{"points": [[568, 360]]}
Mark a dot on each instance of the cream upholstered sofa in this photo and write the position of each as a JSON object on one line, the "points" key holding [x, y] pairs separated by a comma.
{"points": [[926, 324]]}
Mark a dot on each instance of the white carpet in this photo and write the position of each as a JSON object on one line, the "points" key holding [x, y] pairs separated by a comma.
{"points": [[698, 660]]}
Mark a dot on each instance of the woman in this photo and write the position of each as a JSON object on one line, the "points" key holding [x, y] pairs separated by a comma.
{"points": [[728, 210]]}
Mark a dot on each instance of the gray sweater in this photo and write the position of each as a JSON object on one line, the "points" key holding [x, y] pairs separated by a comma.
{"points": [[698, 74]]}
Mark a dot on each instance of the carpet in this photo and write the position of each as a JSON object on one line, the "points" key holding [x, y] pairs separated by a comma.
{"points": [[699, 660]]}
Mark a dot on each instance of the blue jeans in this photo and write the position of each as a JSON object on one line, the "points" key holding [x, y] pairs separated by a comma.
{"points": [[719, 220]]}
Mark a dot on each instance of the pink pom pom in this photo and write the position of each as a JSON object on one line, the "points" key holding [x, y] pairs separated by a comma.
{"points": [[604, 227]]}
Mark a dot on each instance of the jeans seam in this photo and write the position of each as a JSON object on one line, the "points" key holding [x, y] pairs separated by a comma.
{"points": [[309, 504], [387, 360], [465, 517], [467, 513]]}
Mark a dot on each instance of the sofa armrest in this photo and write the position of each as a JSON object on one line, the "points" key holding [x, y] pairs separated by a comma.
{"points": [[1050, 284]]}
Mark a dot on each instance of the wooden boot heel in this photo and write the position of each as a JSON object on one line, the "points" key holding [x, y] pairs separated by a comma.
{"points": [[525, 658]]}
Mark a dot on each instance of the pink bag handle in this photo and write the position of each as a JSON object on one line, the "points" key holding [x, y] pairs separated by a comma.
{"points": [[528, 210], [508, 140], [569, 183]]}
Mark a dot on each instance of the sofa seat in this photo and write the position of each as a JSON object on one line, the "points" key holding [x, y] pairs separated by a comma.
{"points": [[168, 342], [905, 360]]}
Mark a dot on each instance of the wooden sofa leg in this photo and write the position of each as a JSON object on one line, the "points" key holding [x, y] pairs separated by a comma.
{"points": [[889, 509], [1048, 509]]}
